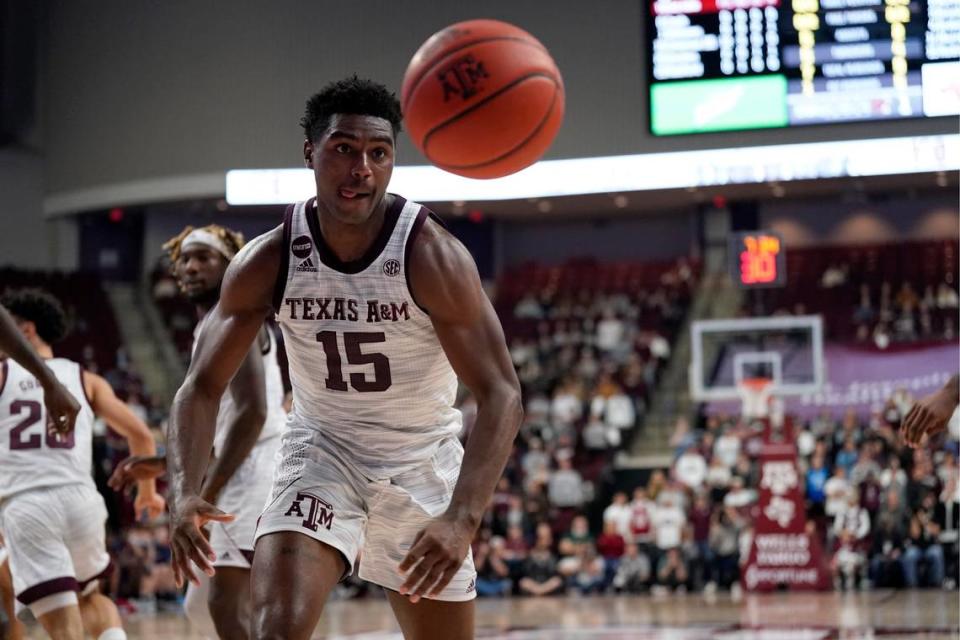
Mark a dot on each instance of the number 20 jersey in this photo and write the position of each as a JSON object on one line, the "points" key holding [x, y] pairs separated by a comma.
{"points": [[367, 370], [30, 458]]}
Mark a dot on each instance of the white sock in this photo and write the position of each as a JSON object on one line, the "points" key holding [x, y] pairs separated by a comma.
{"points": [[113, 633]]}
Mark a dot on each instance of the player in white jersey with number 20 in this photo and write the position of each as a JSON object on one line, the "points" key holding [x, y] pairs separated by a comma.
{"points": [[50, 512]]}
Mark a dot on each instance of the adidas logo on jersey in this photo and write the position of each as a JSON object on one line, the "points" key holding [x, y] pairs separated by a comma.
{"points": [[307, 265]]}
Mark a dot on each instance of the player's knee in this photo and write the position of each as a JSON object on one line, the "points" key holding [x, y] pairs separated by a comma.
{"points": [[272, 620]]}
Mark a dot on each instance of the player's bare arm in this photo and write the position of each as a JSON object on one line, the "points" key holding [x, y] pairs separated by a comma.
{"points": [[445, 282], [248, 390], [930, 415], [228, 331], [62, 407], [121, 419], [133, 469]]}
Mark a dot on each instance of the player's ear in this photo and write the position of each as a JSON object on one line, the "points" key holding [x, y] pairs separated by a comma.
{"points": [[308, 153]]}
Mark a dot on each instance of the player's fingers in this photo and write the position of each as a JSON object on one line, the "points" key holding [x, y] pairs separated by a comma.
{"points": [[445, 579], [201, 546], [417, 574], [917, 424], [417, 551], [181, 566]]}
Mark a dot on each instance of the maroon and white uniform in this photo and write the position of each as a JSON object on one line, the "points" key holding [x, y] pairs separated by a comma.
{"points": [[51, 515], [370, 453]]}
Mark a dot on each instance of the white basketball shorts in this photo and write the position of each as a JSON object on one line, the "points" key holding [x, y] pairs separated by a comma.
{"points": [[56, 543], [244, 496], [319, 494]]}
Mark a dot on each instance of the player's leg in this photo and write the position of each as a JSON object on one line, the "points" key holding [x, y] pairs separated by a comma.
{"points": [[197, 608], [293, 575], [433, 619], [229, 602], [101, 620], [399, 509], [63, 623], [14, 629]]}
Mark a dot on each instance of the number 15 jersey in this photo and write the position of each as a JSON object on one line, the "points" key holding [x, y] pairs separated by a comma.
{"points": [[367, 370], [30, 457]]}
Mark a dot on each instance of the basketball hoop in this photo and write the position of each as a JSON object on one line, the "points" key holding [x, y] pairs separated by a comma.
{"points": [[755, 394]]}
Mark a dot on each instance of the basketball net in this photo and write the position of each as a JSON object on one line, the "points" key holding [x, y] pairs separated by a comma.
{"points": [[755, 396]]}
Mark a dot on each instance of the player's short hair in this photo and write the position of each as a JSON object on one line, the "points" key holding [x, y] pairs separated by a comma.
{"points": [[352, 95], [232, 239], [40, 308]]}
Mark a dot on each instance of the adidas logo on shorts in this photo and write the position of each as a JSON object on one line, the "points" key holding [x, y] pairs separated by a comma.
{"points": [[472, 586], [307, 265]]}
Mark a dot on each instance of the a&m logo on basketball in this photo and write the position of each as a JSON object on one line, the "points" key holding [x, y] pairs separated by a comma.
{"points": [[391, 268], [319, 513], [462, 77]]}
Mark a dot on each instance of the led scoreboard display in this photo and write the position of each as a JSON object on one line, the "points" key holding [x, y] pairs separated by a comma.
{"points": [[718, 65], [757, 259]]}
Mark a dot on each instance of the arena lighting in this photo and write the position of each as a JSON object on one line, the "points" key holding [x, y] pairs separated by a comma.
{"points": [[642, 172]]}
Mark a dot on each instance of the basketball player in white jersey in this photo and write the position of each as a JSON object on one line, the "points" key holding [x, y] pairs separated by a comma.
{"points": [[381, 310], [247, 437], [50, 512]]}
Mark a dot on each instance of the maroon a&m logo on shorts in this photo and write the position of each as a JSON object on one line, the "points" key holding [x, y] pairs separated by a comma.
{"points": [[301, 246], [318, 513]]}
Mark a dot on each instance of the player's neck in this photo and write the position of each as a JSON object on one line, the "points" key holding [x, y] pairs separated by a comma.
{"points": [[43, 350], [351, 241]]}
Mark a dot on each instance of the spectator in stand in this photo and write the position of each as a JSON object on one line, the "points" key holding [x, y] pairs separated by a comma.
{"points": [[850, 529], [894, 477], [565, 488], [690, 469], [572, 545], [682, 437], [699, 516], [907, 299], [865, 464], [540, 575], [816, 481], [515, 548], [633, 571], [923, 544], [725, 527], [493, 574], [739, 497], [672, 571], [642, 511], [718, 480], [947, 297], [567, 406], [619, 513], [847, 456], [611, 546], [947, 516], [668, 523], [838, 491], [864, 315], [888, 542], [611, 333], [871, 494], [590, 575]]}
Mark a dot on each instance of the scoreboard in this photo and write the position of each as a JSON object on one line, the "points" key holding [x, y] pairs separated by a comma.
{"points": [[717, 65]]}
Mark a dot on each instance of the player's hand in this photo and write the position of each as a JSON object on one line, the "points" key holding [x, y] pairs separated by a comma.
{"points": [[62, 407], [436, 555], [187, 542], [151, 503], [928, 416], [136, 468]]}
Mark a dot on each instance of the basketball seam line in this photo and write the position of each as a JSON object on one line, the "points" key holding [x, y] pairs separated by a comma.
{"points": [[447, 54], [473, 108]]}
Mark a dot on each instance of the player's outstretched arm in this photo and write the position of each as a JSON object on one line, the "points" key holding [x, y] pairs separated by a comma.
{"points": [[248, 390], [133, 469], [224, 340], [445, 282], [930, 415], [62, 407], [121, 419]]}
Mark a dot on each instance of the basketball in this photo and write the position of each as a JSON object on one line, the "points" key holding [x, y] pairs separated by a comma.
{"points": [[482, 99]]}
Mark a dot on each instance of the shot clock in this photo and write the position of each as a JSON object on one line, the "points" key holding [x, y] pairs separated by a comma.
{"points": [[757, 260]]}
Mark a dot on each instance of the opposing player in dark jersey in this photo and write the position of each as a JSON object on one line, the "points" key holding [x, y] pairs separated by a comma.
{"points": [[247, 437], [50, 512], [379, 306]]}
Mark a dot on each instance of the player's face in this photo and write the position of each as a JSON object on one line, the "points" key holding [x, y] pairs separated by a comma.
{"points": [[352, 163], [200, 272]]}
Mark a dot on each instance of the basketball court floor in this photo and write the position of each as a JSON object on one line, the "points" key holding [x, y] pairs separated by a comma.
{"points": [[882, 614]]}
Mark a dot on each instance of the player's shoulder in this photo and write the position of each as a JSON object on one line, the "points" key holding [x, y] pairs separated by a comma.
{"points": [[252, 275], [435, 249]]}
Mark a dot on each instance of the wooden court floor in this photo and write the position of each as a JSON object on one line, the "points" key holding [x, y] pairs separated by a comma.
{"points": [[882, 614]]}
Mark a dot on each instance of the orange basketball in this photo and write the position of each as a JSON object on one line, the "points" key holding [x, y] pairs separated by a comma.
{"points": [[482, 99]]}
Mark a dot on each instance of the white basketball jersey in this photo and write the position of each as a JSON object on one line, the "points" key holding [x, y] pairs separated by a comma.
{"points": [[30, 458], [367, 369], [276, 416]]}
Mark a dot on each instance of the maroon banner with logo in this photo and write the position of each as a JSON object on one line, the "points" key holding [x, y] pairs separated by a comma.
{"points": [[782, 552]]}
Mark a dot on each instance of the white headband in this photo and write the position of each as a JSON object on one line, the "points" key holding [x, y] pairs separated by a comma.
{"points": [[209, 240]]}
